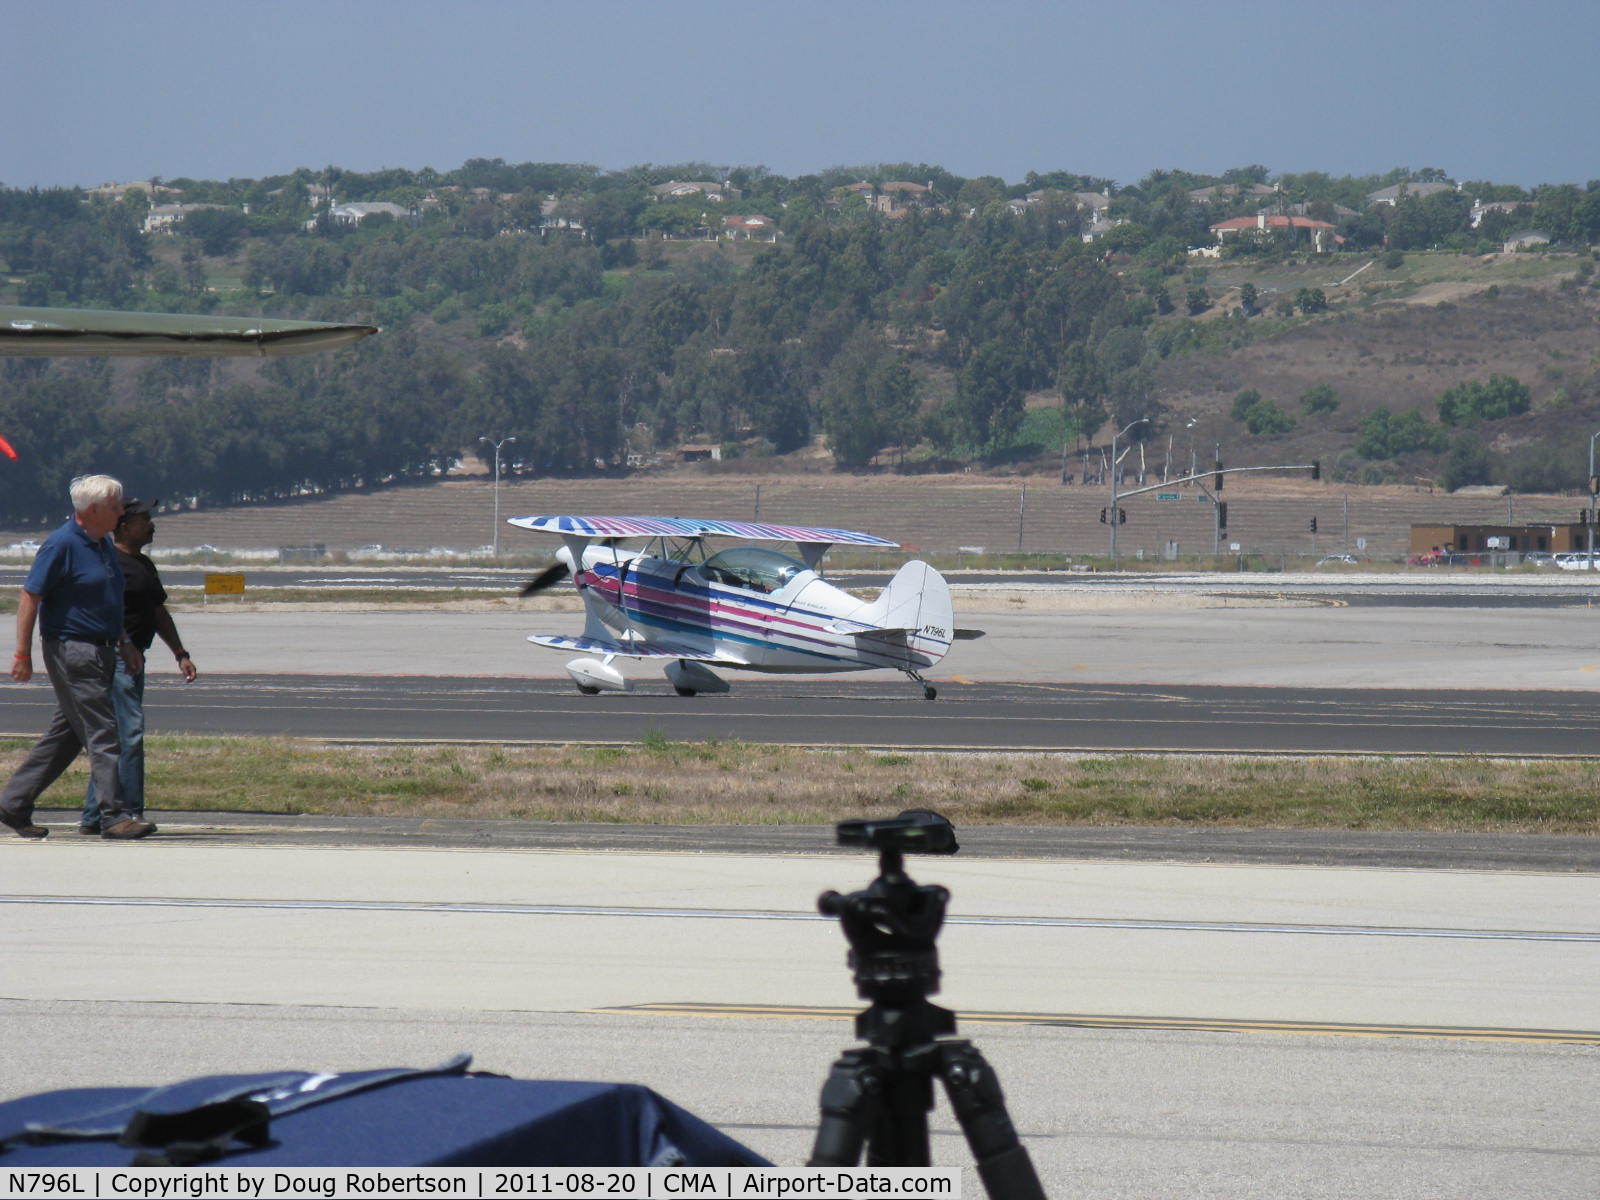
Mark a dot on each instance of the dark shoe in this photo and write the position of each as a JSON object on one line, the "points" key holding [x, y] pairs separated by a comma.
{"points": [[129, 828], [23, 827], [89, 830]]}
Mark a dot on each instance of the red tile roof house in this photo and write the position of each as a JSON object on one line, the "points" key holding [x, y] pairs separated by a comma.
{"points": [[1319, 233], [750, 227]]}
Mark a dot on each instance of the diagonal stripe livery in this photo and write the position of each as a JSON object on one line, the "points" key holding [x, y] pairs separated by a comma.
{"points": [[748, 607]]}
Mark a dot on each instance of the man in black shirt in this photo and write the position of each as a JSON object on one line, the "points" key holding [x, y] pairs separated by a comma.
{"points": [[144, 606]]}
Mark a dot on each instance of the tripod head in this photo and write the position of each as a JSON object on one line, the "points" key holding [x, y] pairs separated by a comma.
{"points": [[893, 922]]}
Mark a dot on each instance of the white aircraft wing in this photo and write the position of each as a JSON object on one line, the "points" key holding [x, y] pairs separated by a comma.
{"points": [[631, 648], [693, 527]]}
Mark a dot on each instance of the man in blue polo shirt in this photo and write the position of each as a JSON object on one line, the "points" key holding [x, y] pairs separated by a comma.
{"points": [[74, 592]]}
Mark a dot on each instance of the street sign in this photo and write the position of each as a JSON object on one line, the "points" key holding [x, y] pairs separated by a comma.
{"points": [[1168, 496], [1203, 499]]}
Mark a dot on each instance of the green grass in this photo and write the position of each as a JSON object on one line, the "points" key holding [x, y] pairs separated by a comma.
{"points": [[662, 781]]}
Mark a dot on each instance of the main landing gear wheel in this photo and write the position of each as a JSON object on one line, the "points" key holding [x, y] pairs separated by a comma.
{"points": [[588, 691], [929, 692], [683, 691]]}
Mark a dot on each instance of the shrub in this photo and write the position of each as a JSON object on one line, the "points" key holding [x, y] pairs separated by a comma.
{"points": [[1244, 402], [1501, 397], [1319, 400]]}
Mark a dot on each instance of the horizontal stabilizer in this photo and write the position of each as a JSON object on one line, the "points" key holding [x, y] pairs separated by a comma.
{"points": [[968, 635], [631, 648]]}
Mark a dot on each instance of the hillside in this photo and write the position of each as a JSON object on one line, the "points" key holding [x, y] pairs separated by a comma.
{"points": [[1399, 344], [934, 514]]}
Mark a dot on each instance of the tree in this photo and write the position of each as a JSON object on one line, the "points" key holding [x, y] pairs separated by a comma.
{"points": [[1311, 300], [1198, 301], [1502, 396], [989, 393], [1243, 403], [867, 400], [1265, 418], [220, 231], [1247, 299], [1384, 434], [1319, 399]]}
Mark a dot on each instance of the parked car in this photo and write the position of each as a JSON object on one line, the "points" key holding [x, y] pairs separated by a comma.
{"points": [[1339, 560], [1539, 558], [1574, 561]]}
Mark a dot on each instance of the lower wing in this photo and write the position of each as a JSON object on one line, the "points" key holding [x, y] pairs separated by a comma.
{"points": [[632, 648]]}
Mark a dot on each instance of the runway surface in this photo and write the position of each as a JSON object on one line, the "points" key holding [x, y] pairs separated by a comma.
{"points": [[1047, 717], [1160, 1029]]}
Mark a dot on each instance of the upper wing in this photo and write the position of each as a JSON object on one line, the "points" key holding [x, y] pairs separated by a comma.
{"points": [[631, 648], [66, 331], [690, 527]]}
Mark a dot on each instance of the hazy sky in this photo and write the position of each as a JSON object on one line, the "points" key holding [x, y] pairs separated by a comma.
{"points": [[98, 90]]}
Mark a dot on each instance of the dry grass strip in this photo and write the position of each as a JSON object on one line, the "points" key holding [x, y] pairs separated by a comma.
{"points": [[658, 781]]}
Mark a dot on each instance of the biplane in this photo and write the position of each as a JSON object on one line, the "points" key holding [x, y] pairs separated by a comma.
{"points": [[746, 607]]}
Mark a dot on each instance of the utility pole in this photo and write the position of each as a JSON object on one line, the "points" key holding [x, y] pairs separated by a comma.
{"points": [[1594, 492], [1113, 513], [497, 445]]}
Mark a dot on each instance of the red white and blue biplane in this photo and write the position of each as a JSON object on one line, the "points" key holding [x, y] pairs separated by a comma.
{"points": [[749, 608]]}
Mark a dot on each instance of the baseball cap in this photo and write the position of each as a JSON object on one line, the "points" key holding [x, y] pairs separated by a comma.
{"points": [[138, 508]]}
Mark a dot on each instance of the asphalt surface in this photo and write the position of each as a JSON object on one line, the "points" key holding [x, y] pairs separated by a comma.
{"points": [[967, 716], [1192, 844]]}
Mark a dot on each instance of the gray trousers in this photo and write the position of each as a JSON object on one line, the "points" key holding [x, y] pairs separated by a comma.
{"points": [[84, 720]]}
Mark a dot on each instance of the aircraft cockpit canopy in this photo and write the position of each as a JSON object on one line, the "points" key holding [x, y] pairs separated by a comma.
{"points": [[753, 568]]}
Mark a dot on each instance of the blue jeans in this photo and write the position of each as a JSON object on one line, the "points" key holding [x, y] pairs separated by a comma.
{"points": [[127, 701]]}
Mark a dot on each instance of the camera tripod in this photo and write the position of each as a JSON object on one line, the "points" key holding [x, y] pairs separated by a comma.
{"points": [[879, 1095]]}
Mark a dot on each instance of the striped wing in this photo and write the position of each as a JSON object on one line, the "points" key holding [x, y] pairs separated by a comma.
{"points": [[693, 527]]}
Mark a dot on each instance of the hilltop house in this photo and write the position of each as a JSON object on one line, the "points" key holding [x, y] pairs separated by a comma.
{"points": [[354, 214], [1319, 234], [891, 199], [1402, 191], [750, 227], [162, 217], [679, 189]]}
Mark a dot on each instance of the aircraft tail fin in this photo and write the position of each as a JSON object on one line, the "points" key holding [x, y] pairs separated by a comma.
{"points": [[917, 601]]}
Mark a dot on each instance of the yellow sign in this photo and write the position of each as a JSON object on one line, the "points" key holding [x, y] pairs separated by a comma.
{"points": [[224, 585]]}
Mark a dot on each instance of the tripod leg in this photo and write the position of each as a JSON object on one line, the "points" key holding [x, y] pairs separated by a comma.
{"points": [[974, 1089], [852, 1102]]}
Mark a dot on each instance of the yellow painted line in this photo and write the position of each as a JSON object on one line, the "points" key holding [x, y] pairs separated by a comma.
{"points": [[1104, 1021]]}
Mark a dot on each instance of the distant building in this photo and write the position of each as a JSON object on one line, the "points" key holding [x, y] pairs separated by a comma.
{"points": [[1525, 241], [891, 199], [162, 217], [1319, 234], [750, 227], [1230, 191], [700, 452], [119, 191], [679, 189], [354, 214], [1473, 539], [1404, 191], [1480, 210]]}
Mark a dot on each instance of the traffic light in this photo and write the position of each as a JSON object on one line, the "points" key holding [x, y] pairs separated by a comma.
{"points": [[1316, 468], [1222, 515], [1583, 516], [1122, 516], [1102, 516], [1313, 524], [1216, 480]]}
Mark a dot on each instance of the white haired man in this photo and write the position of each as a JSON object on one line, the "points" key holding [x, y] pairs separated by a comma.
{"points": [[74, 593]]}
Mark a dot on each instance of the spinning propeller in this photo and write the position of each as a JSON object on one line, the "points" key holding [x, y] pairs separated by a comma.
{"points": [[549, 577]]}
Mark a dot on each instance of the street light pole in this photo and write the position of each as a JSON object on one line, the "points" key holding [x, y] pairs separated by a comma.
{"points": [[1592, 505], [497, 445], [1112, 513]]}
